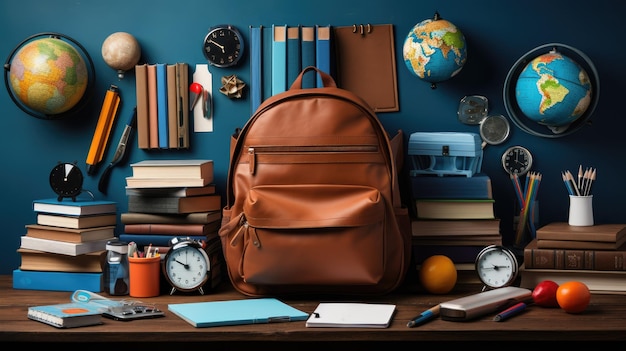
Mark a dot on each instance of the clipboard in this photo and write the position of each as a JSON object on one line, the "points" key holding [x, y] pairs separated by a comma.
{"points": [[366, 64], [236, 312]]}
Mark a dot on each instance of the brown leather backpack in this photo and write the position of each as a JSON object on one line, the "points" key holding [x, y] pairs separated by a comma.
{"points": [[313, 204]]}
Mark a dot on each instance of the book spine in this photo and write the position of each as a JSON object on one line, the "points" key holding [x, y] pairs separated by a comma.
{"points": [[58, 281], [294, 55], [153, 117], [162, 109], [266, 61], [172, 107], [322, 52], [307, 43], [182, 81], [601, 260], [256, 92], [141, 88], [279, 59]]}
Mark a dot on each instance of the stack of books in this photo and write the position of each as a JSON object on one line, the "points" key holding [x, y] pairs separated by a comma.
{"points": [[170, 198], [455, 217], [65, 250], [594, 255]]}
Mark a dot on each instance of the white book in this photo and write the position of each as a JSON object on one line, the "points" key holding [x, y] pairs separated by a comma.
{"points": [[182, 168], [63, 247], [356, 315]]}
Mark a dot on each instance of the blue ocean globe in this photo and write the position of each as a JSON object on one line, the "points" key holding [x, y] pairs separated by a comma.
{"points": [[435, 50], [553, 90]]}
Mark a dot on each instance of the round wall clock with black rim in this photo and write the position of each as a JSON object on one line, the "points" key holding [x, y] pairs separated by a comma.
{"points": [[223, 46], [66, 180], [517, 160]]}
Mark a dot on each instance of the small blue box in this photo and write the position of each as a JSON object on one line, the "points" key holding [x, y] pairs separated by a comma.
{"points": [[445, 153]]}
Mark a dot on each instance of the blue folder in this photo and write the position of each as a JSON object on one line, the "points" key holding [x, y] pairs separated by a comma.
{"points": [[236, 312]]}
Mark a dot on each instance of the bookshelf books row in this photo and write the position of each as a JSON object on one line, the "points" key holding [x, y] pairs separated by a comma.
{"points": [[561, 235], [162, 105], [577, 259]]}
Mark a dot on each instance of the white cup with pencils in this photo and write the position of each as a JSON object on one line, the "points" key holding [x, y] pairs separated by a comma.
{"points": [[581, 210]]}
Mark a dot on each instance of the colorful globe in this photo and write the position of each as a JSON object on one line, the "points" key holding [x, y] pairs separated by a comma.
{"points": [[553, 90], [48, 76], [435, 50]]}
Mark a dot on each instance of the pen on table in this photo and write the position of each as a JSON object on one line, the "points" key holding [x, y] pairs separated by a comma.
{"points": [[510, 312], [103, 128], [424, 317]]}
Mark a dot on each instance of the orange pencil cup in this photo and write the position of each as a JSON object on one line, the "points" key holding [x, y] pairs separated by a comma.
{"points": [[144, 276]]}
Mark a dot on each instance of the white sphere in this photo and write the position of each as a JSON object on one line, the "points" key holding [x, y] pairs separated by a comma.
{"points": [[121, 51]]}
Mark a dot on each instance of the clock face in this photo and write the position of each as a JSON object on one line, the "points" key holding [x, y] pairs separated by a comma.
{"points": [[517, 160], [187, 267], [66, 180], [223, 46], [496, 266]]}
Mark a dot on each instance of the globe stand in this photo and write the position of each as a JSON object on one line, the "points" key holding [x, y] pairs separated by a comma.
{"points": [[90, 79], [536, 129]]}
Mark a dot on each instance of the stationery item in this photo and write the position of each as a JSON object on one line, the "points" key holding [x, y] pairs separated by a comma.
{"points": [[553, 258], [202, 122], [161, 81], [175, 168], [580, 210], [424, 317], [57, 281], [510, 312], [366, 64], [116, 276], [35, 260], [144, 276], [67, 315], [153, 115], [527, 201], [455, 208], [76, 222], [351, 315], [69, 234], [476, 305], [103, 129], [200, 203], [120, 152], [185, 218], [236, 312]]}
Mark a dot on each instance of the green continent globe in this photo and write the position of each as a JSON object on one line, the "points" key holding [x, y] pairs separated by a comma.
{"points": [[553, 90], [48, 76], [435, 50]]}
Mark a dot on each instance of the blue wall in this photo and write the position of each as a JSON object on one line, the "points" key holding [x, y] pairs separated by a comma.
{"points": [[497, 32]]}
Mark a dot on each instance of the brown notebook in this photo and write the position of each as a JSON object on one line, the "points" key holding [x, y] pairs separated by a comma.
{"points": [[366, 64]]}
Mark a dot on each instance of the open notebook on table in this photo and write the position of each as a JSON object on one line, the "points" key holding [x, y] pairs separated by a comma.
{"points": [[357, 315]]}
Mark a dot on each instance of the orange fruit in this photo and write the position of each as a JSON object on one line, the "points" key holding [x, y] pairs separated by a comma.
{"points": [[438, 274], [573, 296]]}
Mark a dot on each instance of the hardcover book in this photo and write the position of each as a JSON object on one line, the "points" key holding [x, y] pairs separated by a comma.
{"points": [[69, 234], [455, 209], [611, 233], [236, 312], [172, 229], [202, 203], [158, 239], [80, 207], [58, 281], [189, 218], [67, 315], [603, 260], [457, 227], [35, 260], [179, 168], [477, 186], [62, 247], [172, 191], [581, 245], [598, 282], [76, 222], [135, 182], [141, 90]]}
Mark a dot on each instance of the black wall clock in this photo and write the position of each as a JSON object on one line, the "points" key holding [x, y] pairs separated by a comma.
{"points": [[66, 180], [223, 46]]}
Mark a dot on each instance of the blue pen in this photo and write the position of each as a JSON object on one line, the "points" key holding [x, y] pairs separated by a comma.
{"points": [[510, 312], [424, 317]]}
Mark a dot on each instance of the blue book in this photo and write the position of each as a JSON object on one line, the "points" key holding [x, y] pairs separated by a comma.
{"points": [[80, 207], [256, 92], [236, 312], [155, 239], [162, 112], [322, 51], [267, 34], [57, 281], [477, 186], [307, 50], [293, 54], [279, 59]]}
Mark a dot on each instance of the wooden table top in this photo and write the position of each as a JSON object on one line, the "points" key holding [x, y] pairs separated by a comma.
{"points": [[604, 320]]}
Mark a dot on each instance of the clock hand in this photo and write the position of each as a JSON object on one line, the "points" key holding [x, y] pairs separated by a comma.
{"points": [[218, 45], [184, 264]]}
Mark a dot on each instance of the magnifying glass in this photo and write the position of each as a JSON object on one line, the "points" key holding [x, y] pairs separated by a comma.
{"points": [[494, 130]]}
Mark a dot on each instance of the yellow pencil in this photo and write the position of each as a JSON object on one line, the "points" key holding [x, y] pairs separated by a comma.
{"points": [[103, 128]]}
